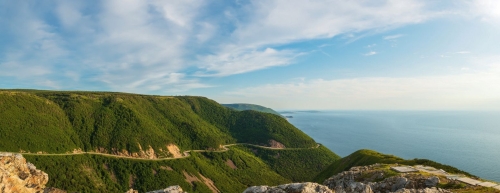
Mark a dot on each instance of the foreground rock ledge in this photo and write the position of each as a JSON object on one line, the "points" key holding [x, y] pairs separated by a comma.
{"points": [[363, 179], [17, 175], [347, 181], [307, 187], [170, 189]]}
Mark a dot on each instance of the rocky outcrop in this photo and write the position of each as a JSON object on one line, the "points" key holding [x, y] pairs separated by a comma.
{"points": [[361, 179], [365, 179], [276, 144], [146, 154], [132, 191], [17, 175], [425, 190], [290, 188], [170, 189]]}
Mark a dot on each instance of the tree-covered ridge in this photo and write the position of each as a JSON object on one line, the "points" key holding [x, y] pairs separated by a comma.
{"points": [[244, 107], [56, 122]]}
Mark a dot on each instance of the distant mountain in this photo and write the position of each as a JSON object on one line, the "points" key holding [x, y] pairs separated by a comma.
{"points": [[244, 107]]}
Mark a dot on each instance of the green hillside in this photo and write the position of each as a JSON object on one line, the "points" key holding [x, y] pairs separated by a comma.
{"points": [[96, 173], [57, 122], [366, 157], [244, 107]]}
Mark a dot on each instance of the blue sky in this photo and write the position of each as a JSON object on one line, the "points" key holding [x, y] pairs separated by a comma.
{"points": [[284, 54]]}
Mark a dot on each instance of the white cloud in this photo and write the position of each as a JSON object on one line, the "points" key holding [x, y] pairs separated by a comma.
{"points": [[280, 22], [463, 52], [371, 53], [393, 37], [463, 91], [488, 9], [235, 61], [124, 44]]}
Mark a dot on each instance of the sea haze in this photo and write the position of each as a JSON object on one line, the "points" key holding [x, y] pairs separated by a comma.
{"points": [[469, 141]]}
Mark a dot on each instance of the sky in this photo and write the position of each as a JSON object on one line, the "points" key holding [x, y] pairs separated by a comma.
{"points": [[283, 54]]}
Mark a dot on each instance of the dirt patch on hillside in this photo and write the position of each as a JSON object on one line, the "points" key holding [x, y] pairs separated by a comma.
{"points": [[131, 181], [210, 184], [189, 178], [230, 163], [111, 173], [166, 168], [174, 150], [274, 144], [207, 181], [91, 174]]}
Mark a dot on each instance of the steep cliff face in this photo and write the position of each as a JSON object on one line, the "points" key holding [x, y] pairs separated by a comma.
{"points": [[17, 175]]}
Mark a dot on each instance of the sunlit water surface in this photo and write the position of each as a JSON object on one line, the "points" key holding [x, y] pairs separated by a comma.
{"points": [[469, 141]]}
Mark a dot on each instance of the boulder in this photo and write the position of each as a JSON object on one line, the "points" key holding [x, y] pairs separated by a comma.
{"points": [[307, 187], [170, 189], [432, 181]]}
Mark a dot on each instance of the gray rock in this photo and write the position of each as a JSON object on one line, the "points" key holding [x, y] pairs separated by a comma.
{"points": [[256, 189], [361, 179], [400, 183], [170, 189], [307, 187], [425, 190], [432, 181]]}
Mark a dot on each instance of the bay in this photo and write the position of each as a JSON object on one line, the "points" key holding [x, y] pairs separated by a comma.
{"points": [[469, 141]]}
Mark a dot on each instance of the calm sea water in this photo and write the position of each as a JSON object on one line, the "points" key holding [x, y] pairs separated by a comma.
{"points": [[469, 141]]}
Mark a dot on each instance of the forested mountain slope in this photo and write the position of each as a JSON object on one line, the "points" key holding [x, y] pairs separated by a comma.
{"points": [[51, 122], [244, 107], [55, 123]]}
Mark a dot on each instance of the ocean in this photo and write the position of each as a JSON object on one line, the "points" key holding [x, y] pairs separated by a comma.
{"points": [[469, 141]]}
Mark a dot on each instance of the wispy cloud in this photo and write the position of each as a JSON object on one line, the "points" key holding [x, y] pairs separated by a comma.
{"points": [[462, 52], [236, 61], [393, 37], [371, 53], [469, 90], [488, 10], [278, 22]]}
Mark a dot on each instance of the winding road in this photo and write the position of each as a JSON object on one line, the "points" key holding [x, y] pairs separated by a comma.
{"points": [[185, 153]]}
